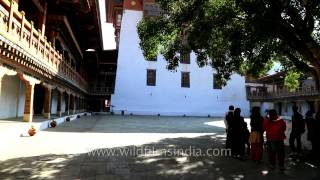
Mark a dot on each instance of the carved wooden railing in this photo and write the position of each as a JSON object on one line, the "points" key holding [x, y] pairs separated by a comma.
{"points": [[282, 93], [14, 27]]}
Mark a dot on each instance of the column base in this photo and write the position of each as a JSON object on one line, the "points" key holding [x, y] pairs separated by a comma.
{"points": [[26, 118], [47, 115], [59, 113]]}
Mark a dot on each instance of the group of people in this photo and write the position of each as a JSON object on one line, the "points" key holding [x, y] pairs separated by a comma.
{"points": [[312, 122], [237, 132], [241, 141]]}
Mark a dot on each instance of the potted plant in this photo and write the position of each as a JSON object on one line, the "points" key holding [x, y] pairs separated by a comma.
{"points": [[53, 124], [32, 131]]}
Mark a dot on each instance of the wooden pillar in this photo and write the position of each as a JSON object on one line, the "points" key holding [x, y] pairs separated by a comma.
{"points": [[43, 19], [59, 101], [52, 38], [78, 104], [80, 108], [81, 104], [12, 5], [47, 103], [23, 18], [72, 104], [31, 34], [28, 105], [29, 97]]}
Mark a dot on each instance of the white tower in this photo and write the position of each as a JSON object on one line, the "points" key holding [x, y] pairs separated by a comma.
{"points": [[148, 88]]}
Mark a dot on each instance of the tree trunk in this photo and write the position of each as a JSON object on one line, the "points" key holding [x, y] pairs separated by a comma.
{"points": [[316, 76]]}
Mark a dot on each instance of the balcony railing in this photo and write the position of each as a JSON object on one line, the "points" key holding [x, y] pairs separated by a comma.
{"points": [[282, 93], [101, 90], [17, 29]]}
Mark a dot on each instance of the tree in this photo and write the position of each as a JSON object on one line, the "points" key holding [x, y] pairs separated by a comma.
{"points": [[236, 36], [292, 80]]}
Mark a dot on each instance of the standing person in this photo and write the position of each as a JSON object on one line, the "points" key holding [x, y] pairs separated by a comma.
{"points": [[298, 128], [313, 126], [238, 135], [226, 118], [227, 121], [256, 135], [311, 129], [275, 129]]}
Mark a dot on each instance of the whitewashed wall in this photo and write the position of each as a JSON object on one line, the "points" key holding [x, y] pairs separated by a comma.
{"points": [[63, 104], [12, 99], [132, 95], [54, 101], [22, 98]]}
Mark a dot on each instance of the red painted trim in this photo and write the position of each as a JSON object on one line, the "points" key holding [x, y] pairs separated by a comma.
{"points": [[128, 5]]}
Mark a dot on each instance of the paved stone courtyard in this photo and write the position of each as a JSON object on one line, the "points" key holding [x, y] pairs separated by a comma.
{"points": [[79, 150]]}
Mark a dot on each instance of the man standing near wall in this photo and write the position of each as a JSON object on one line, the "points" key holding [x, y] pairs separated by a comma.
{"points": [[227, 120], [298, 128]]}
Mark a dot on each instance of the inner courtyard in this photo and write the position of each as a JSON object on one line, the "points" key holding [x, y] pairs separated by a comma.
{"points": [[158, 89], [79, 150]]}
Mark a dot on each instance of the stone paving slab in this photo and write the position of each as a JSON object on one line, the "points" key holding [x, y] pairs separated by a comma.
{"points": [[47, 155]]}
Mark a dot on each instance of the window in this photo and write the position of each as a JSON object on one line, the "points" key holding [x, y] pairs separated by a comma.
{"points": [[151, 77], [151, 9], [185, 58], [185, 79], [215, 84]]}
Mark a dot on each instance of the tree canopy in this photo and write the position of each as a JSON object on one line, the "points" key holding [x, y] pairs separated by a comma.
{"points": [[236, 36]]}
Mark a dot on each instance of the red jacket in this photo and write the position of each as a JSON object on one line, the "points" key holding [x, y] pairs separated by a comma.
{"points": [[275, 130]]}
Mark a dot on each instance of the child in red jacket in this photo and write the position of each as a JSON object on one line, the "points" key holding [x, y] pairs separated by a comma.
{"points": [[275, 129]]}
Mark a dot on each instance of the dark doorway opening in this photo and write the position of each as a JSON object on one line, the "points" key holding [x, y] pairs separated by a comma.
{"points": [[39, 92]]}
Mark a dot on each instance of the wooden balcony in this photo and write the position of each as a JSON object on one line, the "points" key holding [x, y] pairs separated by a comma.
{"points": [[302, 92], [101, 91], [23, 37]]}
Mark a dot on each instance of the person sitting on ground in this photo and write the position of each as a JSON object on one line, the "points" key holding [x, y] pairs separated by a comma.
{"points": [[275, 129]]}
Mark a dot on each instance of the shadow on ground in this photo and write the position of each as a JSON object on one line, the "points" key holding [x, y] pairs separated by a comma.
{"points": [[157, 163]]}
